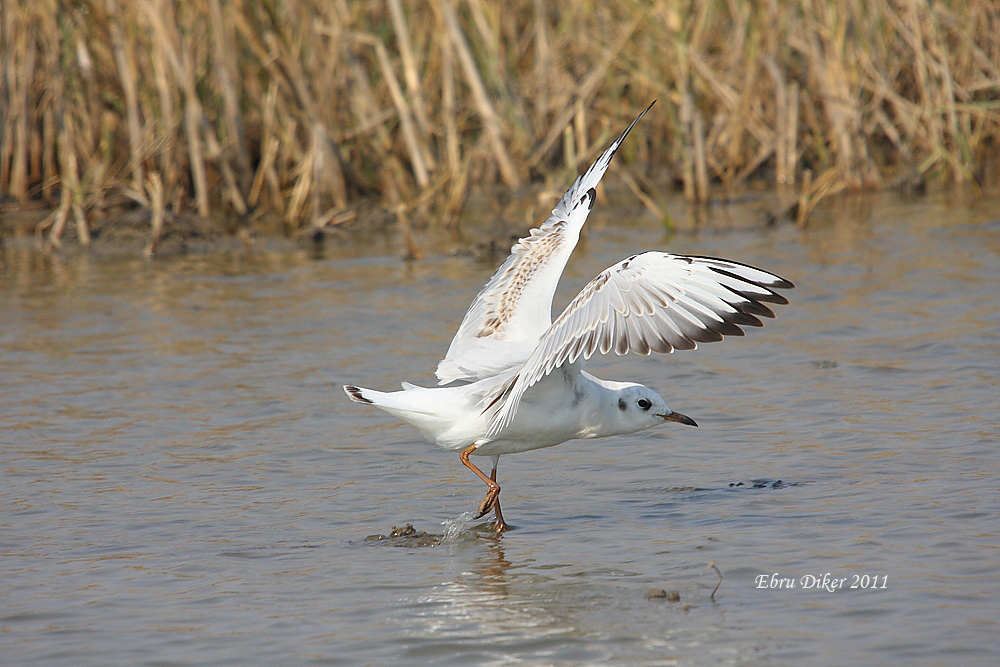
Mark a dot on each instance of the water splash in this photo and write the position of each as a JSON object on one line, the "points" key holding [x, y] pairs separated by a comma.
{"points": [[453, 527]]}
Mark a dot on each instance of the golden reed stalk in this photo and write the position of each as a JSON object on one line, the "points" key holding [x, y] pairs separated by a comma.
{"points": [[301, 108]]}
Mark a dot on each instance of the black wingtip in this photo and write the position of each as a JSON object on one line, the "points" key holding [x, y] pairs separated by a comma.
{"points": [[783, 283], [637, 118], [624, 134], [355, 394]]}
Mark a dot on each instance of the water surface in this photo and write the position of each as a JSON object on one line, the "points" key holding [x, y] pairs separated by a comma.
{"points": [[184, 482]]}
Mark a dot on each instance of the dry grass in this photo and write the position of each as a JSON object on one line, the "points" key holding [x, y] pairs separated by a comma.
{"points": [[302, 108]]}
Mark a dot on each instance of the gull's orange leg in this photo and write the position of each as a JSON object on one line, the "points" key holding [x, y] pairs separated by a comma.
{"points": [[491, 495], [500, 525]]}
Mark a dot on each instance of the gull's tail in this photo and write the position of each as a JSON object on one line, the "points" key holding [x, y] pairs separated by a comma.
{"points": [[432, 411], [412, 399]]}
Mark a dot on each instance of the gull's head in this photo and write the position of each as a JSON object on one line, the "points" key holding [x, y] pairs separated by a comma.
{"points": [[640, 408]]}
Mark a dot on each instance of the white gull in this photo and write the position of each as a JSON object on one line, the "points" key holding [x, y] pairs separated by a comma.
{"points": [[515, 378]]}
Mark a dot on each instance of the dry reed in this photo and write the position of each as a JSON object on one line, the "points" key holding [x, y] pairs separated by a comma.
{"points": [[301, 108]]}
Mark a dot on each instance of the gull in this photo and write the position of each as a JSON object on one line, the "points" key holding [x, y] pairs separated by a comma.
{"points": [[513, 379]]}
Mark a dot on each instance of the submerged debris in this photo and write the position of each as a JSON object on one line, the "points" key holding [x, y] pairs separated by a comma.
{"points": [[407, 536], [763, 484], [715, 590], [661, 594]]}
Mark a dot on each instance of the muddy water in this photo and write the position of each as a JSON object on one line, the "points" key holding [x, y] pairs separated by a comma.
{"points": [[184, 482]]}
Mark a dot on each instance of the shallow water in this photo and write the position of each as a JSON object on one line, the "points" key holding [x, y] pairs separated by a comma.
{"points": [[184, 482]]}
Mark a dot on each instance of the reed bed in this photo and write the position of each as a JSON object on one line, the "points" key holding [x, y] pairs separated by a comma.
{"points": [[301, 110]]}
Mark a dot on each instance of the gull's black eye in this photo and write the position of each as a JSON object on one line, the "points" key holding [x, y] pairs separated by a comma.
{"points": [[644, 404]]}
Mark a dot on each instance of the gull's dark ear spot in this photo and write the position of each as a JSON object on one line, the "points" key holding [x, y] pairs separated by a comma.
{"points": [[622, 405]]}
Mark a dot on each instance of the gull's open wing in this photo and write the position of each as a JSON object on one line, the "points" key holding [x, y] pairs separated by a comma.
{"points": [[514, 309], [653, 302]]}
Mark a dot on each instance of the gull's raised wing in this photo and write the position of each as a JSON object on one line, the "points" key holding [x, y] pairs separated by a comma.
{"points": [[514, 309], [653, 302]]}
